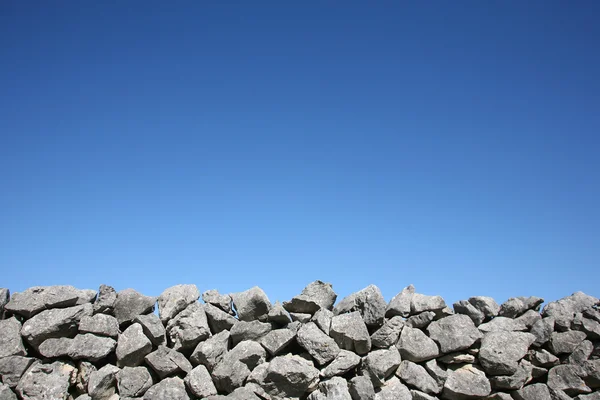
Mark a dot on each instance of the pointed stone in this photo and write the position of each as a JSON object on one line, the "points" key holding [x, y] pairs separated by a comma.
{"points": [[251, 304], [175, 299], [317, 295], [130, 303], [368, 301]]}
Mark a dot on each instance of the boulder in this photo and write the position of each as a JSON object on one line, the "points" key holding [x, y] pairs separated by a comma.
{"points": [[130, 303], [501, 351], [388, 334], [103, 382], [416, 376], [438, 373], [211, 351], [134, 381], [420, 303], [276, 341], [13, 367], [290, 376], [334, 389], [321, 347], [502, 324], [221, 301], [84, 346], [581, 353], [486, 305], [380, 365], [166, 362], [132, 347], [361, 388], [105, 302], [415, 346], [251, 304], [344, 362], [11, 343], [153, 328], [567, 379], [278, 315], [169, 388], [235, 366], [517, 306], [565, 342], [590, 326], [200, 383], [39, 298], [516, 381], [466, 382], [454, 333], [47, 381], [564, 310], [249, 330], [393, 390], [218, 320], [537, 391], [350, 333], [421, 320], [542, 330], [188, 328], [54, 323], [369, 302], [400, 304], [175, 299], [543, 358], [317, 295], [528, 319], [100, 324], [323, 319], [468, 309]]}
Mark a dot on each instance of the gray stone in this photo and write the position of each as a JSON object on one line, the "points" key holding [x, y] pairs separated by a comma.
{"points": [[589, 326], [393, 390], [47, 381], [54, 323], [317, 295], [169, 388], [100, 324], [516, 381], [5, 392], [501, 351], [277, 314], [221, 301], [105, 302], [454, 333], [418, 395], [564, 310], [290, 376], [498, 324], [134, 381], [350, 333], [466, 382], [400, 304], [388, 334], [420, 303], [276, 341], [200, 383], [468, 309], [243, 393], [153, 328], [537, 391], [188, 328], [130, 303], [176, 299], [249, 330], [321, 347], [542, 330], [132, 347], [415, 346], [84, 371], [323, 319], [166, 362], [4, 299], [334, 389], [38, 298], [517, 306], [299, 317], [235, 366], [251, 304], [528, 319], [344, 362], [218, 320], [421, 321], [13, 367], [591, 370], [567, 379], [87, 397], [380, 365], [369, 302], [486, 305], [591, 396], [103, 383], [543, 358], [416, 376], [361, 388], [211, 351], [457, 358], [565, 342], [581, 353], [11, 343], [438, 373], [592, 312], [84, 346]]}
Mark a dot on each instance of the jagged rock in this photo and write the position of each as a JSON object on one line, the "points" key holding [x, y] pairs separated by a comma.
{"points": [[277, 314], [454, 333], [221, 301], [501, 351], [299, 317], [188, 328], [84, 371], [543, 358], [251, 304], [134, 381], [243, 393], [54, 323], [388, 334], [132, 347], [422, 320], [438, 373], [278, 340], [415, 346], [592, 313], [105, 302], [169, 388], [218, 320], [589, 326], [4, 299], [591, 370], [566, 378], [5, 392], [457, 358], [369, 302], [400, 304], [565, 342], [416, 376], [13, 367], [486, 305], [11, 343], [466, 382], [176, 299], [153, 328], [38, 298], [211, 351], [99, 324], [528, 319], [317, 295], [130, 303], [417, 395], [515, 381], [290, 376], [581, 353], [420, 303], [517, 306], [542, 330], [323, 319], [321, 347], [334, 389], [564, 310], [380, 365], [361, 388], [200, 383], [350, 333], [235, 366], [47, 381], [468, 309], [393, 390], [344, 362], [165, 362], [537, 391], [84, 346], [249, 330], [498, 324], [103, 383]]}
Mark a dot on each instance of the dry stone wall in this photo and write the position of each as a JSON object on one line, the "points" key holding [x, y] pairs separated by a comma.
{"points": [[59, 342]]}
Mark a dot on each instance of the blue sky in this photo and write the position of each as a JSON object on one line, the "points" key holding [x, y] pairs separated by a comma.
{"points": [[452, 145]]}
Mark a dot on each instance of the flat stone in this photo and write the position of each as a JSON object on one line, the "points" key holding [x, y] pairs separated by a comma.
{"points": [[200, 383], [169, 388], [105, 302], [369, 302], [166, 362], [211, 351], [344, 362], [221, 301], [517, 306], [565, 342], [323, 319], [218, 320], [581, 353], [277, 314], [380, 365], [421, 320], [317, 295], [39, 298], [276, 341], [361, 388], [130, 303], [567, 379], [321, 347], [249, 330], [103, 382], [251, 304], [416, 376], [47, 381], [421, 303], [502, 324], [393, 390], [176, 299], [11, 343], [501, 351], [400, 304], [54, 323], [466, 382], [153, 328], [350, 333], [537, 391], [13, 367], [235, 366], [132, 347], [334, 389], [542, 330], [388, 334], [188, 328], [100, 324], [543, 358], [6, 393], [454, 333], [290, 376], [415, 346], [134, 381], [564, 310], [84, 346]]}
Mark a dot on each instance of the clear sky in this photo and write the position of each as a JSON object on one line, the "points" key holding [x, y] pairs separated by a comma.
{"points": [[452, 145]]}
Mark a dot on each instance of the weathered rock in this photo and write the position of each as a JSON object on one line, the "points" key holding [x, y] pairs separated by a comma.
{"points": [[323, 319], [591, 327], [166, 362], [235, 366], [566, 378], [243, 393], [591, 370], [47, 381], [415, 346], [299, 317], [517, 306], [581, 353], [542, 330], [276, 341], [11, 343], [84, 346], [13, 367], [188, 328], [153, 328], [103, 383], [218, 320], [211, 351], [251, 304], [317, 295], [380, 365], [361, 388], [420, 303], [466, 382], [134, 381], [468, 309], [175, 299], [221, 301], [334, 389], [290, 376], [105, 302], [565, 342], [388, 334], [5, 392], [454, 333], [418, 395], [416, 376], [486, 305], [278, 315], [99, 324], [528, 319], [537, 391], [169, 388], [369, 302], [84, 371], [38, 298], [502, 324], [200, 383], [350, 333], [400, 304], [501, 351], [393, 390], [344, 362], [457, 358], [421, 320], [249, 330], [564, 310], [438, 373], [4, 299], [132, 347], [543, 358], [515, 381], [54, 323], [321, 347], [130, 303]]}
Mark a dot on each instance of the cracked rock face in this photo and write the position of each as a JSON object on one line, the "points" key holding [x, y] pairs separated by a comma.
{"points": [[39, 298], [317, 295], [47, 381]]}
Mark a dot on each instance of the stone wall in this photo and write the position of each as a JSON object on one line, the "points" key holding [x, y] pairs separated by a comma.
{"points": [[59, 342]]}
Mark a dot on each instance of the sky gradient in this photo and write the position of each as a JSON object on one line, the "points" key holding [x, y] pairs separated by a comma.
{"points": [[452, 145]]}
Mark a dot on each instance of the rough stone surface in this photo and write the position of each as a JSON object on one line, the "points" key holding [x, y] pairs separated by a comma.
{"points": [[415, 346], [278, 315], [100, 324], [54, 323], [132, 347], [13, 367], [420, 303], [47, 381], [502, 324], [188, 328], [175, 299], [221, 301], [317, 295], [350, 333], [169, 388], [153, 328], [11, 343], [361, 388], [200, 383], [218, 320], [542, 330], [235, 366], [344, 362], [400, 304], [466, 382], [393, 390], [276, 341], [468, 309], [130, 303], [417, 377], [421, 320], [517, 306], [515, 381], [211, 351], [4, 299], [103, 383], [501, 351], [134, 381], [537, 391], [323, 319], [380, 365], [567, 379], [564, 310], [454, 333], [290, 376], [105, 302], [166, 362], [6, 393], [36, 299], [320, 346], [249, 330], [334, 389], [369, 302], [251, 304], [388, 334], [565, 342], [84, 346]]}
